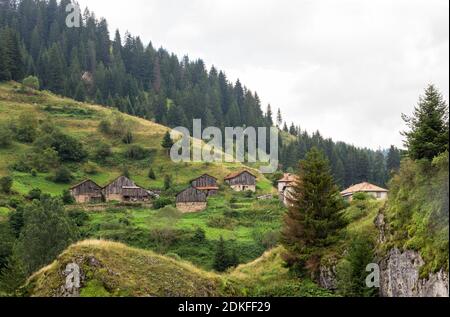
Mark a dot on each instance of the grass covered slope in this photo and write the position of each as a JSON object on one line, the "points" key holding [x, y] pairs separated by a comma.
{"points": [[81, 121], [418, 212], [113, 269], [116, 270]]}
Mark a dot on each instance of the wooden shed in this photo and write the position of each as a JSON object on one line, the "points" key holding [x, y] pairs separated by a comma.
{"points": [[191, 200], [135, 193], [114, 191], [206, 183], [242, 181], [87, 192]]}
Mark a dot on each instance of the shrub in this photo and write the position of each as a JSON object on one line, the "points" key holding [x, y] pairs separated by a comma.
{"points": [[14, 202], [67, 197], [136, 152], [69, 149], [161, 202], [25, 129], [79, 217], [104, 126], [102, 151], [6, 184], [362, 197], [31, 82], [173, 256], [128, 137], [91, 168], [199, 235], [167, 182], [6, 136], [35, 193], [221, 222], [151, 174], [62, 175]]}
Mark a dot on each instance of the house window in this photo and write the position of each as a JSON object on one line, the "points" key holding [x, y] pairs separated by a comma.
{"points": [[378, 195]]}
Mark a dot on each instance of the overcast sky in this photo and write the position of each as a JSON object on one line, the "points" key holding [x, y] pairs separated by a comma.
{"points": [[345, 68]]}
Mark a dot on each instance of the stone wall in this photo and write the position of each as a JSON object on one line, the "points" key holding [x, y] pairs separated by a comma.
{"points": [[191, 207], [242, 188]]}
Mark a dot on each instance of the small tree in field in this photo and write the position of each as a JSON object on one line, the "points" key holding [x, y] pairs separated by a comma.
{"points": [[151, 174], [314, 218], [167, 142], [6, 184], [31, 82]]}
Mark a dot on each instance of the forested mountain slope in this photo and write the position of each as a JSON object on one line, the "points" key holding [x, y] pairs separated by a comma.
{"points": [[83, 63]]}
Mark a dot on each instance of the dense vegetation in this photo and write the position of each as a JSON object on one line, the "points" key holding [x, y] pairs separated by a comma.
{"points": [[84, 64]]}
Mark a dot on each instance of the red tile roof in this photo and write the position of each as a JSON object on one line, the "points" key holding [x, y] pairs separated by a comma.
{"points": [[364, 187]]}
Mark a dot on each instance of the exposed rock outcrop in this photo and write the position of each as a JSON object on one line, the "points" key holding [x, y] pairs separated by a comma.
{"points": [[400, 277]]}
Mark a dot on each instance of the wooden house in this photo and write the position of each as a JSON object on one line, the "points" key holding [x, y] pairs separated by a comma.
{"points": [[87, 192], [124, 189], [191, 200], [242, 181], [370, 189], [286, 187], [206, 183]]}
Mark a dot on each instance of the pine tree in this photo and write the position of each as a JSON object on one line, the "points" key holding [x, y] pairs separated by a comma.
{"points": [[429, 131], [167, 142], [269, 116], [221, 259], [314, 216], [393, 160], [151, 174], [279, 118]]}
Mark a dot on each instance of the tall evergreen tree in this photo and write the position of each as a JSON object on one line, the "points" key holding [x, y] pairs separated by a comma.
{"points": [[393, 159], [429, 131], [314, 217]]}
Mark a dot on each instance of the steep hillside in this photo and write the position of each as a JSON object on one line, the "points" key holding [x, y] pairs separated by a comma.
{"points": [[113, 269], [81, 121]]}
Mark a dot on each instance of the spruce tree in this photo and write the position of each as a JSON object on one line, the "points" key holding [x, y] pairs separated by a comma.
{"points": [[428, 135], [167, 142], [221, 259], [393, 160], [314, 217]]}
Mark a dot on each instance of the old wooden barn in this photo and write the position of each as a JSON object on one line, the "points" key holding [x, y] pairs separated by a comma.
{"points": [[191, 200], [87, 192], [241, 181], [206, 183], [124, 189]]}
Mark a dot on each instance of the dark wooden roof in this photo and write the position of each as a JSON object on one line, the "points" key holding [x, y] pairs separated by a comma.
{"points": [[84, 182], [191, 195], [237, 174]]}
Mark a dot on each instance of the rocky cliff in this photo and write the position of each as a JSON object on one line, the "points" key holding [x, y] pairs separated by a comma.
{"points": [[400, 277]]}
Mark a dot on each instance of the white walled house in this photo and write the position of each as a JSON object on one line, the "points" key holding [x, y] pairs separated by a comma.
{"points": [[370, 189]]}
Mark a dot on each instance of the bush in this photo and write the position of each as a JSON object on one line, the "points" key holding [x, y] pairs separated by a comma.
{"points": [[35, 193], [105, 126], [62, 175], [136, 152], [128, 137], [6, 136], [151, 174], [25, 129], [199, 235], [6, 184], [167, 182], [31, 82], [102, 151], [91, 168], [67, 198], [79, 217], [221, 222], [362, 197], [161, 202], [69, 149]]}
